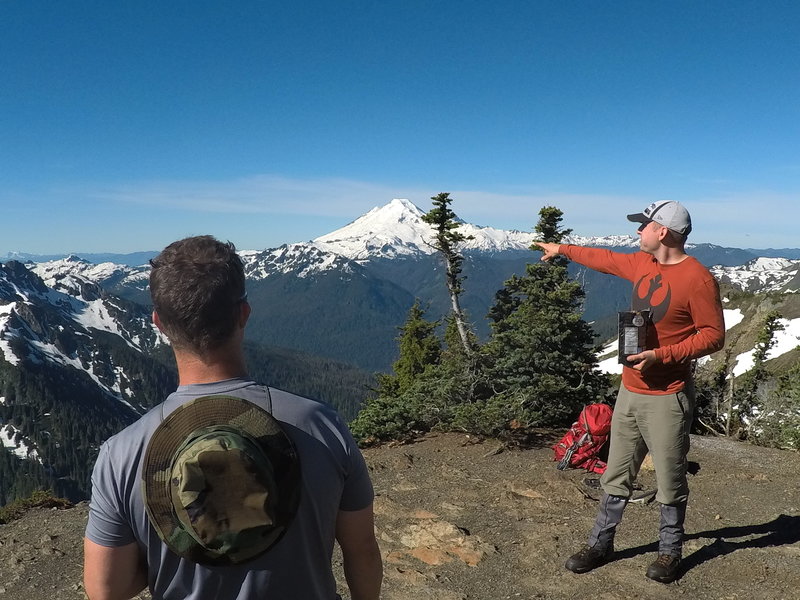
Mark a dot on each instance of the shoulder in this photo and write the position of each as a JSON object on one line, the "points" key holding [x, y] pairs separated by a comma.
{"points": [[295, 409], [312, 418], [699, 269], [137, 432]]}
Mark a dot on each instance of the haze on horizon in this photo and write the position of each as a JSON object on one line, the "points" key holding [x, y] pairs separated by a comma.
{"points": [[124, 127]]}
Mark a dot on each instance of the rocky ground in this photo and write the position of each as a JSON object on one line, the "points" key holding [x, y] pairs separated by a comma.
{"points": [[464, 518]]}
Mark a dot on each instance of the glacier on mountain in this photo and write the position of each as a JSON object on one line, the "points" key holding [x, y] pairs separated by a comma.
{"points": [[397, 229]]}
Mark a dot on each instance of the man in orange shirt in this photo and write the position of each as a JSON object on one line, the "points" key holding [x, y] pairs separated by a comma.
{"points": [[655, 405]]}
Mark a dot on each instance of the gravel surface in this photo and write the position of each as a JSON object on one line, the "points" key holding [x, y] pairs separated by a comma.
{"points": [[463, 518]]}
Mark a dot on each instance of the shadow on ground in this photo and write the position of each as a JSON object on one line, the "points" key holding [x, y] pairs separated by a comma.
{"points": [[780, 531]]}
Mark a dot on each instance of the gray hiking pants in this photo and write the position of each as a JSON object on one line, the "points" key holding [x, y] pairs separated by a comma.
{"points": [[659, 424], [609, 515]]}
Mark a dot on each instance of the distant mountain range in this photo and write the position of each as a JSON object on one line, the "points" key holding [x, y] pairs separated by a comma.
{"points": [[132, 259], [344, 294]]}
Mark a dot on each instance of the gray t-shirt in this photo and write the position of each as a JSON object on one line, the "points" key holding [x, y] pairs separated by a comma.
{"points": [[334, 477]]}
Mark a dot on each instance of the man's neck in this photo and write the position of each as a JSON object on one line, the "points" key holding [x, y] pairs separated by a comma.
{"points": [[670, 255], [207, 369]]}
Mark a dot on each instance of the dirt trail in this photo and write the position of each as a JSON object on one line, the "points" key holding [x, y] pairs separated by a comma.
{"points": [[457, 519]]}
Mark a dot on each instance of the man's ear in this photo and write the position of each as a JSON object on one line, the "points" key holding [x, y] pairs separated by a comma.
{"points": [[157, 322], [244, 315]]}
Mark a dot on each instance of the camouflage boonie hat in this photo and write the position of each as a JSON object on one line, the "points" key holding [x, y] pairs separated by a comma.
{"points": [[221, 480]]}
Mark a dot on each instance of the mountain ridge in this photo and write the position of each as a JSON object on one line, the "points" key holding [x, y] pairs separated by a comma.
{"points": [[374, 267], [396, 229]]}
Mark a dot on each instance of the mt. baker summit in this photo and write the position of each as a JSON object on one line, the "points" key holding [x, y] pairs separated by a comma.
{"points": [[397, 229]]}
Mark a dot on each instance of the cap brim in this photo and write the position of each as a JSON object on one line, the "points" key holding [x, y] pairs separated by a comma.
{"points": [[170, 434], [639, 218]]}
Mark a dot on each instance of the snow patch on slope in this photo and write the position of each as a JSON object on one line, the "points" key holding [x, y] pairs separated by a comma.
{"points": [[51, 353], [733, 316], [95, 315], [7, 333], [17, 444], [609, 361], [786, 340]]}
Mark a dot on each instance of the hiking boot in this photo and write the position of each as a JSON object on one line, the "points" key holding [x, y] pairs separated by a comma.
{"points": [[664, 569], [588, 558]]}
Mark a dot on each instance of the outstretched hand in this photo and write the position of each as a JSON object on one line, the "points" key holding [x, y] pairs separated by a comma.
{"points": [[549, 250], [643, 360]]}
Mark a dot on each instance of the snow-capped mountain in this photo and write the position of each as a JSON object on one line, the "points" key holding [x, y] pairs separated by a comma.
{"points": [[71, 274], [41, 323], [762, 275], [605, 241], [131, 259], [389, 231], [72, 358], [397, 229], [68, 274], [302, 260], [358, 267]]}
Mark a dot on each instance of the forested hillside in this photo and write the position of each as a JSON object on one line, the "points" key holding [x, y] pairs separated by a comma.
{"points": [[78, 364]]}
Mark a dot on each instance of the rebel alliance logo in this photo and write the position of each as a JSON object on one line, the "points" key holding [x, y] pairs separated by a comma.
{"points": [[642, 301]]}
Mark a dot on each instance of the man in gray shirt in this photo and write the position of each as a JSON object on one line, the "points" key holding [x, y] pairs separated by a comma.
{"points": [[200, 304]]}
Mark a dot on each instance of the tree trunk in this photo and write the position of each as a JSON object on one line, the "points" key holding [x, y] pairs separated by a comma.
{"points": [[730, 409], [452, 286]]}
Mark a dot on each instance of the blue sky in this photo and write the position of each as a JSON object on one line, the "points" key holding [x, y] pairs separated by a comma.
{"points": [[124, 126]]}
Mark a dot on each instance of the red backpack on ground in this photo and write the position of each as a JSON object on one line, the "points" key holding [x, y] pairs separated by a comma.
{"points": [[581, 445]]}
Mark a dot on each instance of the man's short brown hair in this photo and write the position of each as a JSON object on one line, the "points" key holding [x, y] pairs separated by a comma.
{"points": [[197, 287]]}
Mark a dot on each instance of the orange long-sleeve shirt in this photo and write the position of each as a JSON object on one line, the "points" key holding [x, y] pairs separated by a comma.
{"points": [[686, 309]]}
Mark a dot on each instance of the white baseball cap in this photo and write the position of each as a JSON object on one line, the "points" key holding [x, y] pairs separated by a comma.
{"points": [[668, 213]]}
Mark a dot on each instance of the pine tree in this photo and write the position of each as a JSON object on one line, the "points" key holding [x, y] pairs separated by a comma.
{"points": [[419, 348], [401, 405], [446, 241], [544, 362], [780, 418]]}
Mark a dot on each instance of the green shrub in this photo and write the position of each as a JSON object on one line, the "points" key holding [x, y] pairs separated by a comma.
{"points": [[39, 499]]}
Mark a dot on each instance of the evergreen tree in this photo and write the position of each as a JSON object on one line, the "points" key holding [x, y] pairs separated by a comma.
{"points": [[746, 398], [399, 408], [779, 424], [446, 241], [418, 348], [544, 365], [714, 391]]}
